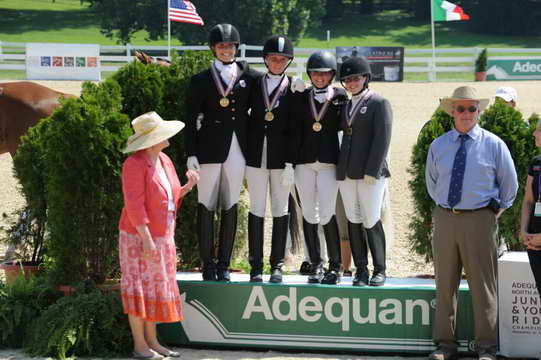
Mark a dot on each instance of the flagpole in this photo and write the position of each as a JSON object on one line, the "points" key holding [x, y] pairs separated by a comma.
{"points": [[432, 74], [168, 32]]}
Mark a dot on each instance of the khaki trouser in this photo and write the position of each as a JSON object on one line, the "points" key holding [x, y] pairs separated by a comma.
{"points": [[466, 240]]}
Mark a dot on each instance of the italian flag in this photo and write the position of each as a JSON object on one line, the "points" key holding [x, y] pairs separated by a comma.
{"points": [[446, 11]]}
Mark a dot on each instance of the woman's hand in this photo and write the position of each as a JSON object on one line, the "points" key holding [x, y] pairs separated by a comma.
{"points": [[193, 178], [149, 248], [533, 242]]}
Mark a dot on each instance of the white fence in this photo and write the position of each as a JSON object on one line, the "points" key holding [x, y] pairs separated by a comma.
{"points": [[456, 60]]}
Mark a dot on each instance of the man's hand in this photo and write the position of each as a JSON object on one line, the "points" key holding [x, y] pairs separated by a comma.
{"points": [[297, 84], [370, 180], [192, 163], [288, 175]]}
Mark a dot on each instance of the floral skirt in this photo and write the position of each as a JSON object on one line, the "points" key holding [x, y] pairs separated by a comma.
{"points": [[148, 286]]}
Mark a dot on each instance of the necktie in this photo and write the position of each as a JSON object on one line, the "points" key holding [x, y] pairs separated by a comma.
{"points": [[457, 175]]}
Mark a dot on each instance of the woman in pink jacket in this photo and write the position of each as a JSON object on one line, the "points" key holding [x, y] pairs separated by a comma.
{"points": [[152, 194]]}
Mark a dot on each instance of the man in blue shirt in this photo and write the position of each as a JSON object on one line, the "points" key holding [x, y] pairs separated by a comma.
{"points": [[471, 176]]}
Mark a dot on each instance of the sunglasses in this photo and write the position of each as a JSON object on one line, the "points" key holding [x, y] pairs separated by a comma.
{"points": [[461, 109]]}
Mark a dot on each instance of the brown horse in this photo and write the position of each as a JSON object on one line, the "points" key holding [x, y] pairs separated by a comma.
{"points": [[22, 105], [147, 59]]}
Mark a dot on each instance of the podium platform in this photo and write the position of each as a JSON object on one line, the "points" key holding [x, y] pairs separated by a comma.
{"points": [[396, 317]]}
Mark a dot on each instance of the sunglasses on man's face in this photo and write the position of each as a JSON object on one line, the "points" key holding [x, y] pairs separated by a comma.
{"points": [[461, 109]]}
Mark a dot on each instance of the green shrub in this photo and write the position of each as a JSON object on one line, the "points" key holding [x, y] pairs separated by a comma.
{"points": [[420, 225], [89, 322], [20, 304], [481, 61], [84, 197], [510, 126], [29, 169], [502, 120]]}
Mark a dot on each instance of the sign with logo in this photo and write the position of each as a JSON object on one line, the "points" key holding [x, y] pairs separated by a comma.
{"points": [[519, 307], [299, 316], [46, 61], [386, 62], [510, 68]]}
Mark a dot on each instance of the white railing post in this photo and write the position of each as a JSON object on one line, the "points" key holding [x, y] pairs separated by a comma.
{"points": [[128, 50], [242, 51], [432, 71]]}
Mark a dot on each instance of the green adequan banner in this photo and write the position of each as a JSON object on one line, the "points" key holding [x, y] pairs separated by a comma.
{"points": [[347, 318], [512, 68]]}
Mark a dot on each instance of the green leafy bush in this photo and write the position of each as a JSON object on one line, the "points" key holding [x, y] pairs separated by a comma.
{"points": [[20, 304], [510, 126], [84, 196], [420, 225], [481, 61], [69, 166], [502, 120], [90, 322]]}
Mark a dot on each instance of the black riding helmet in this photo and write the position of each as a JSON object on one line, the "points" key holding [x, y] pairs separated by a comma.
{"points": [[278, 45], [224, 33], [355, 66], [321, 61]]}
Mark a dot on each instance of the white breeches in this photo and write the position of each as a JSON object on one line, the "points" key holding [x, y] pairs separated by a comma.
{"points": [[362, 202], [317, 188], [220, 184], [259, 181]]}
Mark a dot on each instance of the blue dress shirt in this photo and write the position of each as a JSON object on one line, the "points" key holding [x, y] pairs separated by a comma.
{"points": [[490, 172]]}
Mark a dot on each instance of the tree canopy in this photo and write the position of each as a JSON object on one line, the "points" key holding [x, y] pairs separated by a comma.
{"points": [[255, 19]]}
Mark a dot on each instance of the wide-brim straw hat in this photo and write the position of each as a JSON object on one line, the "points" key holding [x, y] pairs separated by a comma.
{"points": [[462, 93], [150, 129]]}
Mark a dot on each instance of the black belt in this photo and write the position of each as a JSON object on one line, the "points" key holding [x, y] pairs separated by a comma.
{"points": [[461, 211]]}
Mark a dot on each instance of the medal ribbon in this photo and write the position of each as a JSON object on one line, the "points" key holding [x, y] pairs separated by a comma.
{"points": [[362, 101], [283, 84], [218, 82], [328, 96]]}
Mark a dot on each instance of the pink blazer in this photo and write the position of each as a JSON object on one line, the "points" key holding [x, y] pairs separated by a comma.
{"points": [[145, 197]]}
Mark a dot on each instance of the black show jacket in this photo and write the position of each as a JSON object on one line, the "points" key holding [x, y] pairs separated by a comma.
{"points": [[212, 141]]}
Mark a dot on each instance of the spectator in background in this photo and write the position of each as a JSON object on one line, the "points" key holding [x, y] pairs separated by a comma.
{"points": [[508, 95]]}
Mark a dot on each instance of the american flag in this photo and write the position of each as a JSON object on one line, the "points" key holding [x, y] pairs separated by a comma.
{"points": [[184, 11]]}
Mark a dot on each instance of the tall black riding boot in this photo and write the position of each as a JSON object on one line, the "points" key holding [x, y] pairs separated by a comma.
{"points": [[314, 251], [205, 235], [228, 230], [359, 250], [332, 238], [278, 248], [255, 247], [376, 242]]}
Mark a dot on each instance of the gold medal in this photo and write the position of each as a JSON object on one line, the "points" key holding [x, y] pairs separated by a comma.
{"points": [[269, 116], [317, 126], [224, 102], [349, 131]]}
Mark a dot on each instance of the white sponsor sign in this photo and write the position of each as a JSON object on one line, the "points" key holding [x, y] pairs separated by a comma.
{"points": [[47, 61], [519, 307]]}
